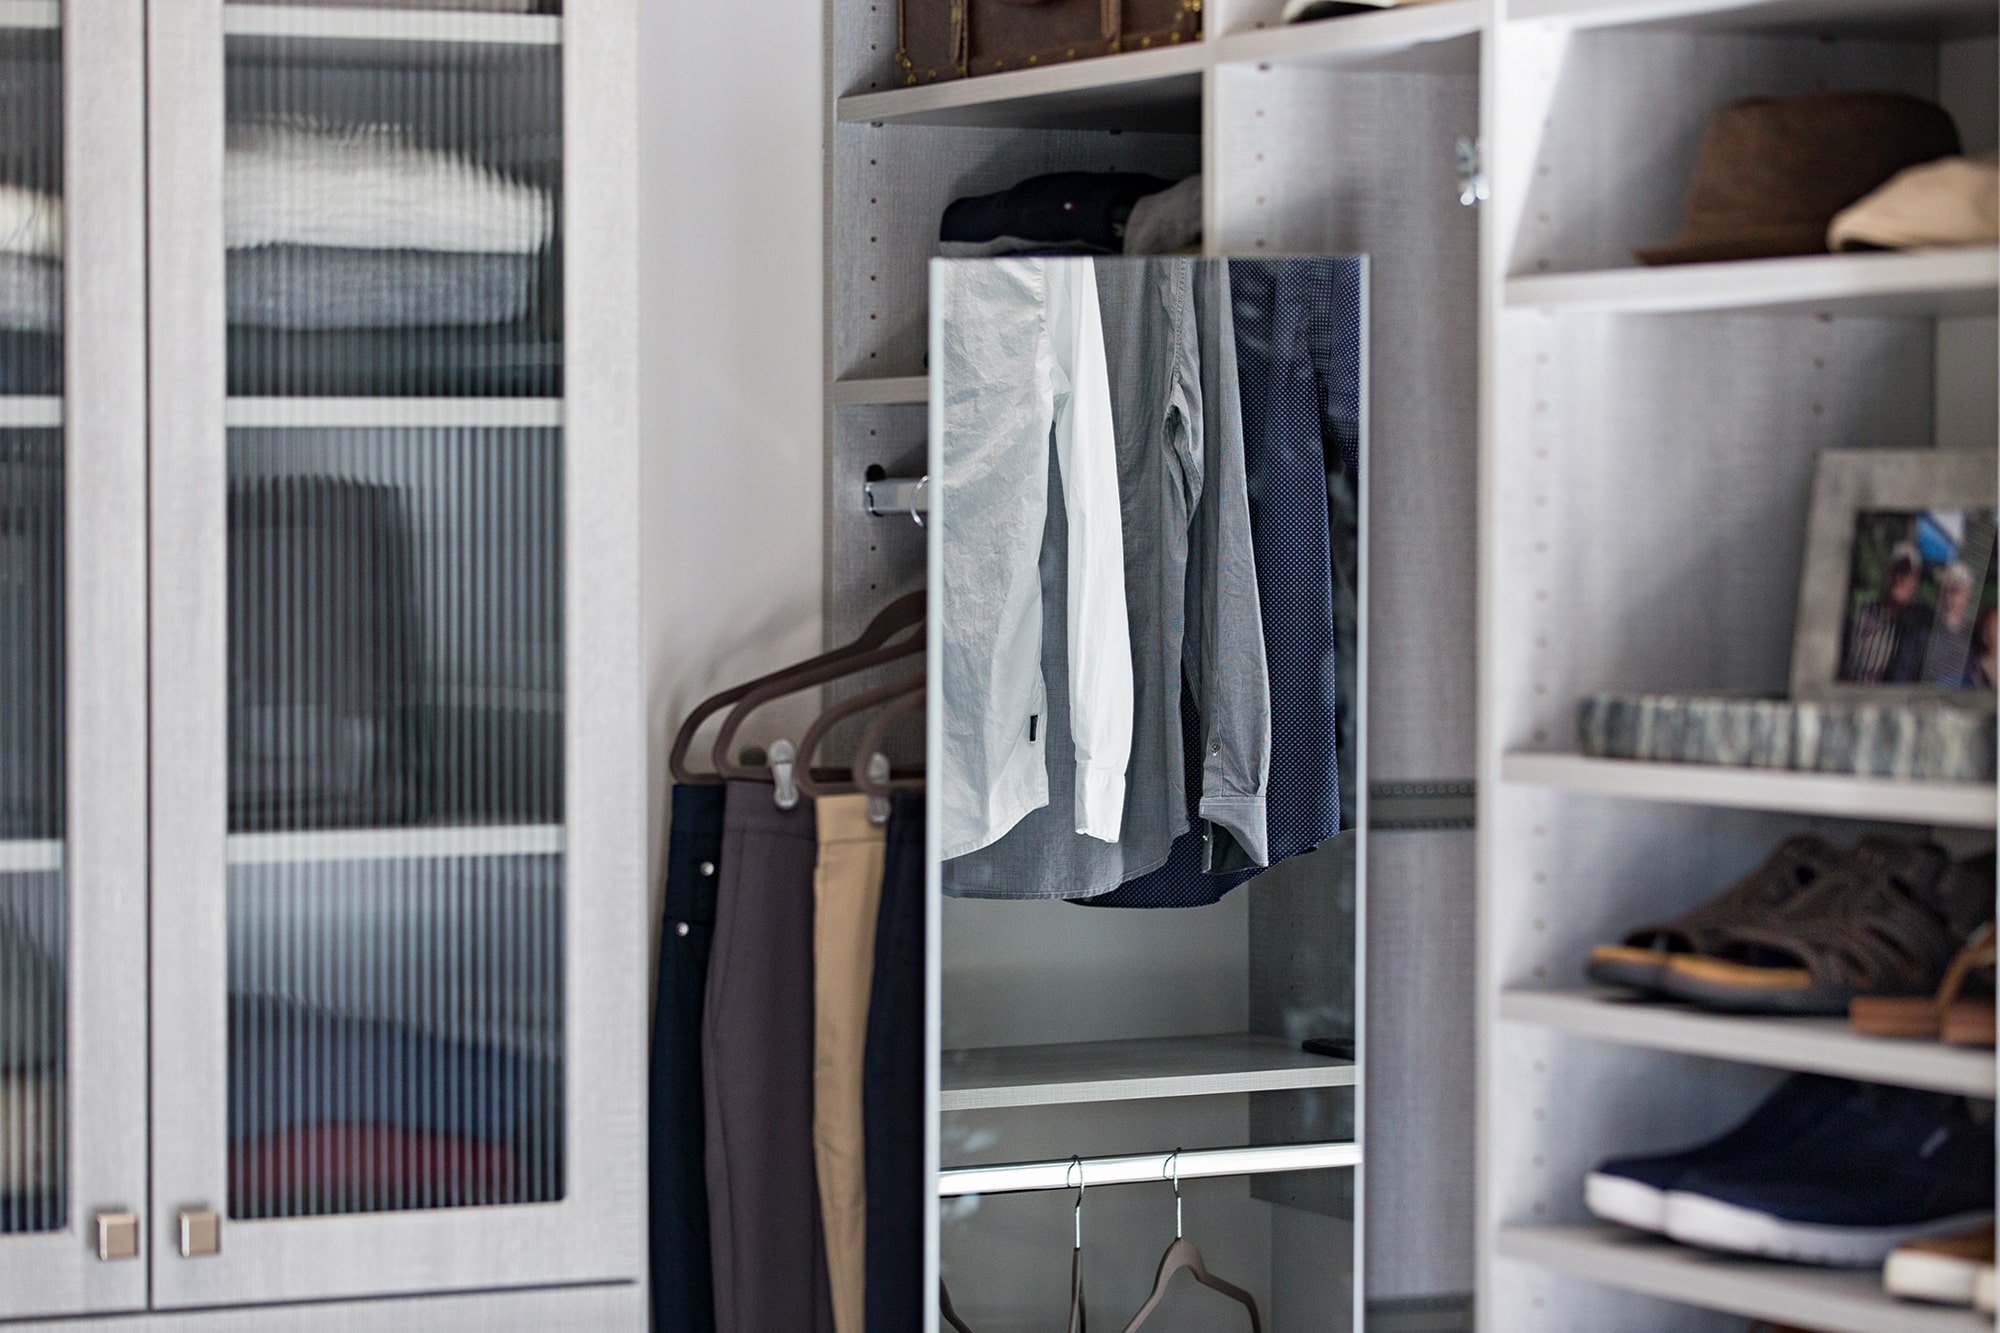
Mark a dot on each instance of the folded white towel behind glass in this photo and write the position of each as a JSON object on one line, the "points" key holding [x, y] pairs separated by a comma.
{"points": [[369, 187], [30, 223]]}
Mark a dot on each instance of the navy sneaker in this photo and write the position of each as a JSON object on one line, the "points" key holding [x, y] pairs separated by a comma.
{"points": [[1889, 1165], [1632, 1191]]}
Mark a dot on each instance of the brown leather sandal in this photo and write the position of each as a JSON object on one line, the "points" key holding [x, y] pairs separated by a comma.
{"points": [[1889, 923], [1639, 961], [1950, 1014]]}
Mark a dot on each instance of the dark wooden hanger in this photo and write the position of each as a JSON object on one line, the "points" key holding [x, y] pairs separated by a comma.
{"points": [[950, 1315], [793, 683], [896, 618], [1182, 1254], [844, 783]]}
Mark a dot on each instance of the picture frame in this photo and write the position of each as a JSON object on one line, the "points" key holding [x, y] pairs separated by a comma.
{"points": [[1897, 587]]}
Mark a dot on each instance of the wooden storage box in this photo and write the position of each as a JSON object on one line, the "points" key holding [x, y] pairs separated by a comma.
{"points": [[951, 39]]}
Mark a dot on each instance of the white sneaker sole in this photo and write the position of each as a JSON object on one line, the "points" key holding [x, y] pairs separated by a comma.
{"points": [[1626, 1202], [1695, 1219], [1937, 1278], [1983, 1293]]}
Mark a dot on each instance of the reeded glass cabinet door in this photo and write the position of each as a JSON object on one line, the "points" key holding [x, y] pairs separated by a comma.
{"points": [[398, 953], [72, 643]]}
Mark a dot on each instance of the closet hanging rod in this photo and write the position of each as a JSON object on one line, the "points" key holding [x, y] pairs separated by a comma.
{"points": [[897, 497], [1028, 1177]]}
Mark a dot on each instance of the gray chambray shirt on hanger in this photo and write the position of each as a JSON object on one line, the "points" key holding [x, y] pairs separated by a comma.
{"points": [[1173, 440]]}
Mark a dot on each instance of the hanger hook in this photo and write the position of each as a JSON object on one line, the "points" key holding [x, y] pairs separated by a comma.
{"points": [[1174, 1164], [1076, 1165], [916, 495]]}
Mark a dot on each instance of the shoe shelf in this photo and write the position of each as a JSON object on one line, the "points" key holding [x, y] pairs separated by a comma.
{"points": [[1071, 1073], [23, 856], [360, 23], [1832, 795], [1828, 1299], [423, 842], [394, 413], [882, 391], [1805, 1045], [1939, 282], [1932, 19]]}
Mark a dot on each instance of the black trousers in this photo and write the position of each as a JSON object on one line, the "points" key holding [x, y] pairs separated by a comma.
{"points": [[893, 1082], [683, 1292]]}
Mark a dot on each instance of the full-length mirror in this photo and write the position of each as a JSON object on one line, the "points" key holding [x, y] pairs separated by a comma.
{"points": [[1147, 762]]}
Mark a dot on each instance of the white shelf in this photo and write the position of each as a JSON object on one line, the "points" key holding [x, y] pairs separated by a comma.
{"points": [[1829, 1299], [30, 15], [1808, 1045], [1937, 282], [1139, 90], [1953, 804], [1116, 1071], [885, 391], [1923, 19], [29, 855], [394, 413], [30, 413], [395, 844], [1161, 89], [1394, 35], [362, 24]]}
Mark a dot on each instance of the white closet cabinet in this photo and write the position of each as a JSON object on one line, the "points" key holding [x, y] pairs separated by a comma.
{"points": [[323, 888]]}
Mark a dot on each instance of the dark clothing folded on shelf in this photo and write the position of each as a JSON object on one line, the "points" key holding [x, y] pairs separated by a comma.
{"points": [[31, 639], [30, 363], [310, 287], [504, 361], [319, 1169], [322, 707], [1086, 209], [292, 1066]]}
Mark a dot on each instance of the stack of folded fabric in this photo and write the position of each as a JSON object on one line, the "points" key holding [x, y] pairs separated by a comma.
{"points": [[330, 1113], [30, 291], [363, 263], [1076, 213]]}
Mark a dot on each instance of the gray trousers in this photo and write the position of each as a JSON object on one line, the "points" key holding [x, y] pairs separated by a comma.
{"points": [[765, 1236]]}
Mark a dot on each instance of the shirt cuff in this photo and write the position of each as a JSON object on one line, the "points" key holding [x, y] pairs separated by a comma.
{"points": [[1241, 826], [1100, 802]]}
